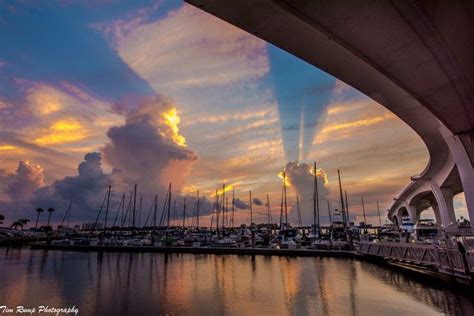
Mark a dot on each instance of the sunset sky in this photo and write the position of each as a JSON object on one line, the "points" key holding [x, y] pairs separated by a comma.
{"points": [[165, 92]]}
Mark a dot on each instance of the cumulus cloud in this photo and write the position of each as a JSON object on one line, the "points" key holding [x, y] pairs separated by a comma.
{"points": [[26, 179], [148, 148], [86, 189], [300, 177], [27, 190]]}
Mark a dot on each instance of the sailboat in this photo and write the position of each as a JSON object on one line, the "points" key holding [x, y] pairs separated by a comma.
{"points": [[315, 228], [287, 234]]}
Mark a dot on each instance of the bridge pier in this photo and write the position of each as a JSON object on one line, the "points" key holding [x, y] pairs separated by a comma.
{"points": [[397, 219], [445, 205], [464, 166], [435, 208], [412, 213]]}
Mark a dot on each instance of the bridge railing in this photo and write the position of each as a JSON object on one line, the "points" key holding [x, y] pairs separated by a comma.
{"points": [[446, 260]]}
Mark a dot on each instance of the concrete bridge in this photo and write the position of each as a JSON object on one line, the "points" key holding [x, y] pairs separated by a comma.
{"points": [[413, 57]]}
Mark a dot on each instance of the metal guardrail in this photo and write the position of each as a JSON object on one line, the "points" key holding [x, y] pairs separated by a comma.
{"points": [[470, 261], [446, 260]]}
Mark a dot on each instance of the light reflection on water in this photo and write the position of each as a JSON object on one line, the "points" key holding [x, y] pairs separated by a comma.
{"points": [[147, 283]]}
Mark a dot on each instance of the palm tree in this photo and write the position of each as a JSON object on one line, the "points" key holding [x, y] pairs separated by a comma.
{"points": [[23, 221], [2, 218], [16, 224], [50, 211], [39, 211]]}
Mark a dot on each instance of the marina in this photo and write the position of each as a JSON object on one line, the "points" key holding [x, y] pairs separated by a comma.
{"points": [[423, 248], [205, 157]]}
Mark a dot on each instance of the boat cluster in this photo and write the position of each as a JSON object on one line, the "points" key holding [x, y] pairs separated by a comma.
{"points": [[256, 236]]}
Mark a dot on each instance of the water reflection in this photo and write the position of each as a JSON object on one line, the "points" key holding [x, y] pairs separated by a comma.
{"points": [[129, 283]]}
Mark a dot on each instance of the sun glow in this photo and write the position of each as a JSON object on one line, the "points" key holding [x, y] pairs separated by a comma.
{"points": [[228, 187], [7, 147], [284, 178], [172, 120], [63, 131], [320, 174]]}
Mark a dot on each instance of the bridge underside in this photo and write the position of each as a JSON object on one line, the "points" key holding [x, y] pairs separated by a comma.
{"points": [[413, 57]]}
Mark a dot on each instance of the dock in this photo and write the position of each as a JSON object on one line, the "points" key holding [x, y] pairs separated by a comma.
{"points": [[203, 250], [424, 262]]}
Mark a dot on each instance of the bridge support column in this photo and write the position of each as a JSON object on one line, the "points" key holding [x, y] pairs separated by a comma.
{"points": [[412, 213], [435, 208], [444, 200], [464, 166], [398, 221]]}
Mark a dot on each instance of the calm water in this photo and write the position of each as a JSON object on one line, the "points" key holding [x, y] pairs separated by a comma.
{"points": [[141, 284]]}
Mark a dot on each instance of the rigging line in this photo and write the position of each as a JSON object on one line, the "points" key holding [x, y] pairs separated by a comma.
{"points": [[118, 210], [100, 211], [67, 212], [149, 213], [128, 210]]}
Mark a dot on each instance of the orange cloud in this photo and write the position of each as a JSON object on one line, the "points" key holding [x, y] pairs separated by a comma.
{"points": [[284, 179], [8, 148], [63, 131], [228, 187], [236, 116], [358, 123], [343, 120], [172, 120]]}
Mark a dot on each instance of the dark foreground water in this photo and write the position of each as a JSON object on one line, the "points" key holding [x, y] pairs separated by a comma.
{"points": [[150, 284]]}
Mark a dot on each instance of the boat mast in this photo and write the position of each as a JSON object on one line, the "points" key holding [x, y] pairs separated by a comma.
{"points": [[184, 213], [342, 199], [124, 220], [378, 210], [69, 212], [347, 209], [226, 211], [223, 208], [233, 206], [329, 213], [154, 214], [363, 212], [286, 205], [281, 210], [316, 202], [118, 212], [213, 211], [197, 215], [134, 203], [218, 211], [106, 208], [169, 207], [250, 207], [270, 220]]}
